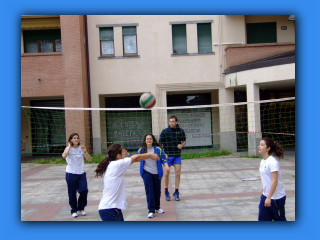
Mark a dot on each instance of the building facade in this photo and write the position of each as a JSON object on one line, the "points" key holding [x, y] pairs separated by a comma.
{"points": [[108, 61], [186, 56], [53, 74]]}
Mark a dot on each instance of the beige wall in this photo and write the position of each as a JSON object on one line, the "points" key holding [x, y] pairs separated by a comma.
{"points": [[233, 28], [155, 65], [281, 20]]}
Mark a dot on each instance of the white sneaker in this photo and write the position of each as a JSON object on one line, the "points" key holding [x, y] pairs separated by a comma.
{"points": [[74, 215], [160, 210], [150, 215], [83, 213]]}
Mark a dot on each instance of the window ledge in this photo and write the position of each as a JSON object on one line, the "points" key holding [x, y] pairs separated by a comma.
{"points": [[191, 54], [118, 57], [41, 54]]}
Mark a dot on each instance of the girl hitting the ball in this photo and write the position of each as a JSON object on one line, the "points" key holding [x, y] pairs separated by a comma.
{"points": [[273, 198], [112, 168], [151, 172], [75, 174]]}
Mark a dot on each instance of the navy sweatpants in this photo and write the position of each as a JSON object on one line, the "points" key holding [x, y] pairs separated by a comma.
{"points": [[275, 212], [152, 185], [77, 182]]}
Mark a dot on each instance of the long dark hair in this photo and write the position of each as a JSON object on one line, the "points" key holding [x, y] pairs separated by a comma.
{"points": [[275, 147], [113, 151], [144, 145], [72, 135]]}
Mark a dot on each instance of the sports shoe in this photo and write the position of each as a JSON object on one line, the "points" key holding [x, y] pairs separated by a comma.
{"points": [[83, 213], [176, 195], [167, 196], [160, 210], [74, 215], [150, 215]]}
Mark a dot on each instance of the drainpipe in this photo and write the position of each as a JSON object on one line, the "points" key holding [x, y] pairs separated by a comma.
{"points": [[88, 78]]}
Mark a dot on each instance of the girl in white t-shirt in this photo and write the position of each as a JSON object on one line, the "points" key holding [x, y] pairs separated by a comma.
{"points": [[75, 174], [273, 198], [112, 168]]}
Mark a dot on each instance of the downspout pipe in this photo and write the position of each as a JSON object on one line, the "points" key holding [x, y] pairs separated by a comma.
{"points": [[88, 81]]}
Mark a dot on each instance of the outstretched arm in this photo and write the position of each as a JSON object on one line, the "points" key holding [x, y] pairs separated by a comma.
{"points": [[140, 157]]}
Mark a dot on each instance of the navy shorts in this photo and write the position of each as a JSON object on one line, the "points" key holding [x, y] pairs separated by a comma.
{"points": [[112, 214], [174, 160]]}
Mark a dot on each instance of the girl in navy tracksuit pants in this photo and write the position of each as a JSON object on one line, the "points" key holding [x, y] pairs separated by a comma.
{"points": [[273, 198], [151, 172], [75, 175]]}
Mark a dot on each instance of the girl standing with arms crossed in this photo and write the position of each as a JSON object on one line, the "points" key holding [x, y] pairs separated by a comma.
{"points": [[152, 172], [75, 174], [112, 168], [273, 198]]}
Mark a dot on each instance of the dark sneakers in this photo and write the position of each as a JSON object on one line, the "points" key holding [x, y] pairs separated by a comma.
{"points": [[176, 196], [167, 196]]}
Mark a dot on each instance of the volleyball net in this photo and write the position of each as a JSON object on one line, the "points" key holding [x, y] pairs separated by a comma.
{"points": [[232, 126]]}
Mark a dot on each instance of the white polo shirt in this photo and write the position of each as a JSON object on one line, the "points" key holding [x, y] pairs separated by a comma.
{"points": [[266, 168], [75, 161], [114, 195]]}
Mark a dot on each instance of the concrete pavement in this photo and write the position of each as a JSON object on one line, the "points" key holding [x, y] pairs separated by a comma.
{"points": [[211, 189]]}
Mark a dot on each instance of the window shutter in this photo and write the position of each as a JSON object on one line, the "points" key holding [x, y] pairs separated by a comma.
{"points": [[106, 33], [41, 34], [261, 32], [179, 38], [204, 37], [129, 30]]}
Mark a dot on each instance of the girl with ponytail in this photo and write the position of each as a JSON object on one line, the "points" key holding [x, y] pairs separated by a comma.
{"points": [[273, 198], [112, 169]]}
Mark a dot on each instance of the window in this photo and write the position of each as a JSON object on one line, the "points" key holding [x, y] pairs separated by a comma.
{"points": [[106, 41], [179, 38], [36, 41], [126, 126], [129, 35], [261, 32], [204, 37]]}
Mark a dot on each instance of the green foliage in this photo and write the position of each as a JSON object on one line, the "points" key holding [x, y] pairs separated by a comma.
{"points": [[250, 156], [52, 160], [204, 154], [98, 158]]}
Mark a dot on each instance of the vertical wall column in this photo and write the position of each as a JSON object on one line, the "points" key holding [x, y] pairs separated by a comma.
{"points": [[254, 123], [76, 85], [159, 116], [228, 136], [192, 40], [117, 34], [98, 118]]}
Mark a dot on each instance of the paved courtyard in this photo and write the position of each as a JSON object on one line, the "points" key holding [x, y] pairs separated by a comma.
{"points": [[211, 189]]}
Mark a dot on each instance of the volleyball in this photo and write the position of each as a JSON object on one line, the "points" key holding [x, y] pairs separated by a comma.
{"points": [[147, 100]]}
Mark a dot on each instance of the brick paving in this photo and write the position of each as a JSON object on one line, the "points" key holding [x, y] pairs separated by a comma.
{"points": [[211, 189]]}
